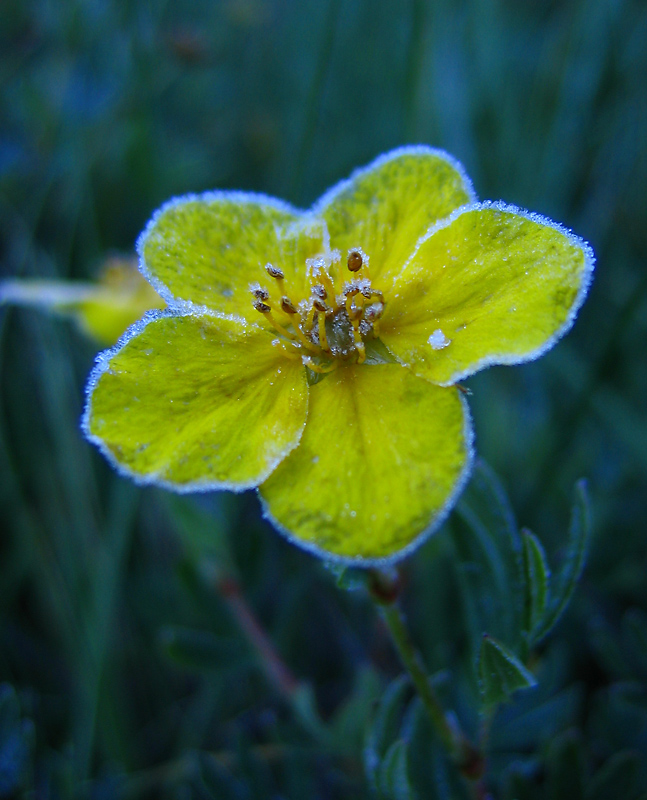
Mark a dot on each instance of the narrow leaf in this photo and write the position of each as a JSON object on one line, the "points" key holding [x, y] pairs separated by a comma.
{"points": [[500, 673], [394, 773], [493, 555], [536, 575], [634, 629], [565, 581], [197, 649], [616, 778], [565, 768], [384, 727]]}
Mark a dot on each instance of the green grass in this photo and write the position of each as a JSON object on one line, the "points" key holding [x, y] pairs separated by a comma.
{"points": [[128, 666]]}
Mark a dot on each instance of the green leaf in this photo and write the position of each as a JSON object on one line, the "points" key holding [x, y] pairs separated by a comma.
{"points": [[196, 649], [394, 773], [202, 523], [565, 768], [16, 741], [634, 630], [616, 778], [537, 575], [565, 581], [214, 779], [491, 556], [376, 353], [500, 673], [384, 727], [304, 704], [348, 578], [348, 724]]}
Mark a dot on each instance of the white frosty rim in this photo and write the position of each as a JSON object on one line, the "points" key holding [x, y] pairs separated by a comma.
{"points": [[407, 150], [102, 365], [260, 199], [587, 277], [251, 198], [434, 523], [179, 308]]}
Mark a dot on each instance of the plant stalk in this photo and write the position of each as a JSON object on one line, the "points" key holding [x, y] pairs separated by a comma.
{"points": [[384, 590]]}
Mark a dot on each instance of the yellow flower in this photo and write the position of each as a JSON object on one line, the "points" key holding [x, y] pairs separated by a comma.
{"points": [[314, 355], [102, 310]]}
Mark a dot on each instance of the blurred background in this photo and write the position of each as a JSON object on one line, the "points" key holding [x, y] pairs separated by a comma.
{"points": [[124, 671]]}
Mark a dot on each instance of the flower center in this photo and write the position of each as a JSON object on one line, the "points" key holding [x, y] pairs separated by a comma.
{"points": [[332, 323]]}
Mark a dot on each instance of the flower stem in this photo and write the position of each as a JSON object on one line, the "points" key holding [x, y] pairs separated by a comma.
{"points": [[384, 589], [279, 675], [277, 672]]}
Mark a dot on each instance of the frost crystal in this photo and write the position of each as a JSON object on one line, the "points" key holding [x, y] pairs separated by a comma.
{"points": [[438, 340]]}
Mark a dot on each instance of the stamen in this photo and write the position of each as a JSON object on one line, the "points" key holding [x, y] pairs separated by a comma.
{"points": [[372, 315], [355, 261], [331, 324], [306, 342], [308, 362], [259, 292], [292, 354], [359, 342], [309, 320], [373, 312], [266, 310], [323, 339], [321, 273], [287, 305], [321, 307], [352, 310], [274, 272]]}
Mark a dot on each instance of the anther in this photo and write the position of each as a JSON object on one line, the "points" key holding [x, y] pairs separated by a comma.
{"points": [[274, 272], [260, 293], [373, 311], [319, 305], [261, 307], [319, 291], [319, 273], [288, 306], [355, 261]]}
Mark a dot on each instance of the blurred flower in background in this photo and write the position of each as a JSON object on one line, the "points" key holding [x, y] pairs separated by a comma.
{"points": [[121, 653], [102, 310]]}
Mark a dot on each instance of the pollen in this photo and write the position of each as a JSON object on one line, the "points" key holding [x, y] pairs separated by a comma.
{"points": [[332, 322]]}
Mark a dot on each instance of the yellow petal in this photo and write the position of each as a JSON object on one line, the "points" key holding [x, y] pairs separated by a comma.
{"points": [[207, 249], [492, 285], [386, 207], [382, 458], [196, 403]]}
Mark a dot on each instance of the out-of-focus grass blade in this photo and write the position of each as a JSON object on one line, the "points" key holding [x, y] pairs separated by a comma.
{"points": [[565, 580]]}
